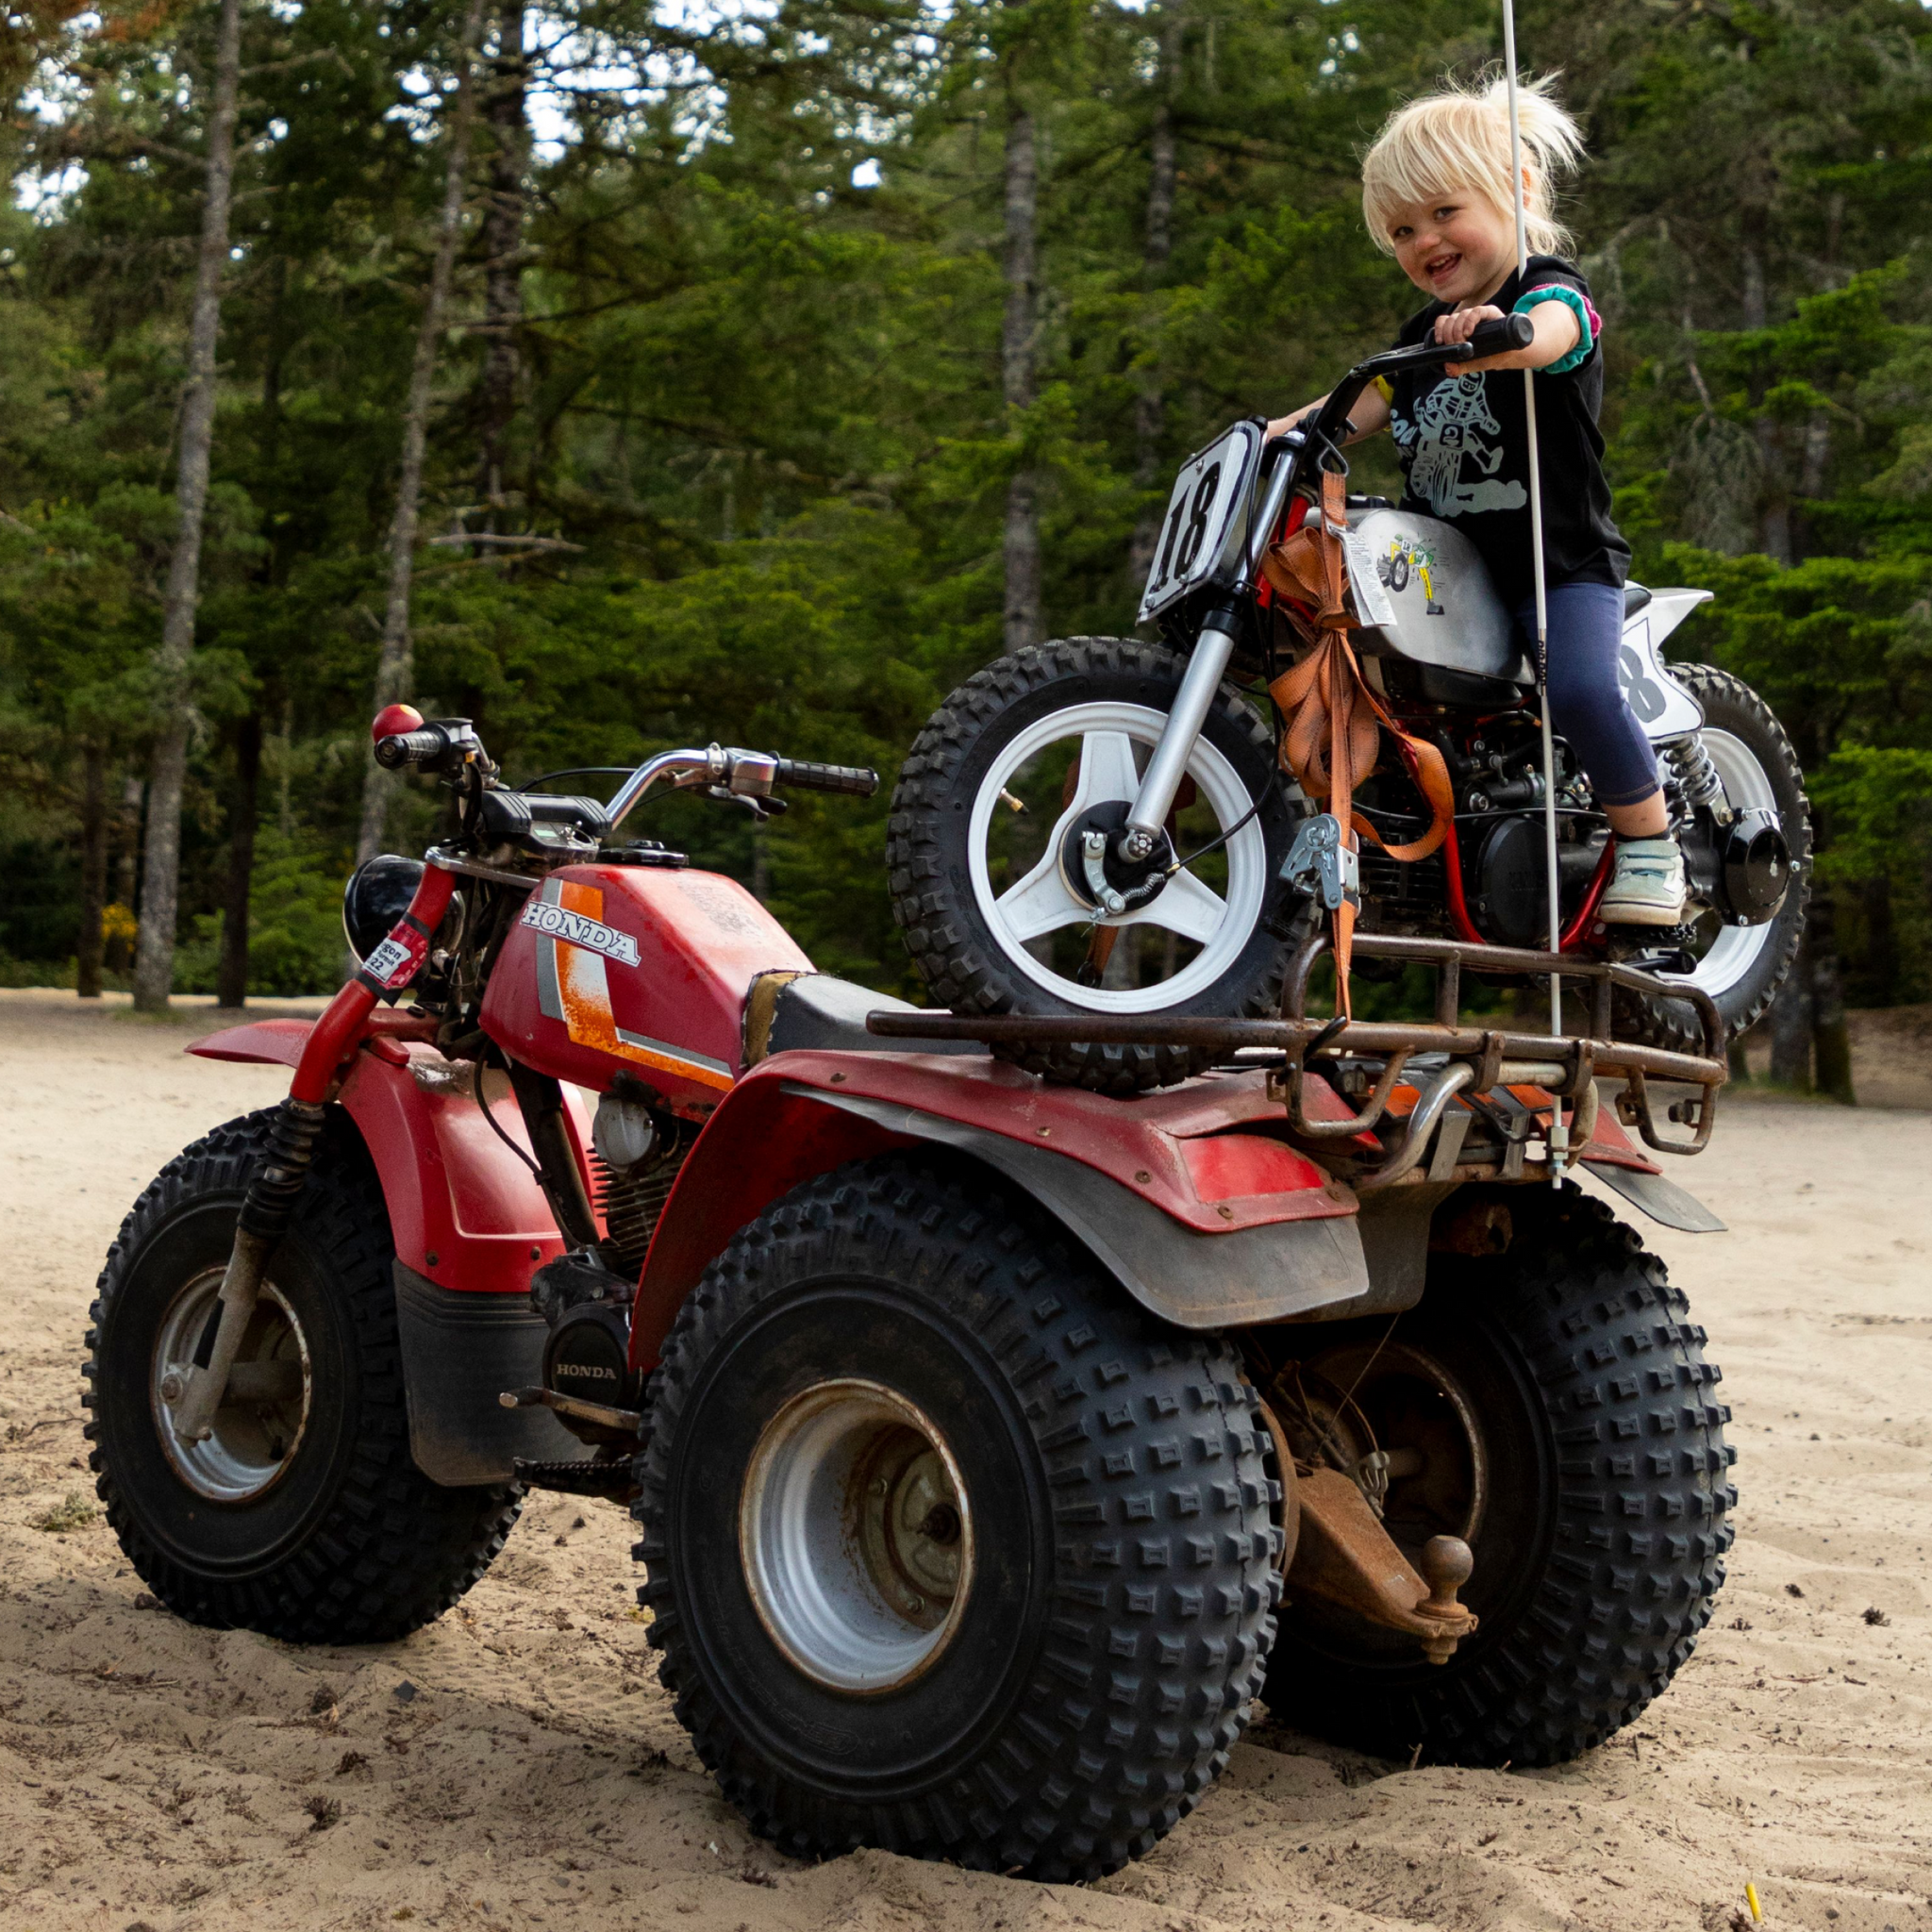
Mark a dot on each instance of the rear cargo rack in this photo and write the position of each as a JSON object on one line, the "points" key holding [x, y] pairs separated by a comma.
{"points": [[1462, 1057]]}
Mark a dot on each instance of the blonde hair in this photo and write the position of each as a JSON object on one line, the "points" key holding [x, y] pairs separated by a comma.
{"points": [[1459, 137]]}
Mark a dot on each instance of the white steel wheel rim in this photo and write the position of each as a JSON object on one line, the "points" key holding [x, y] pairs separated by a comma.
{"points": [[254, 1435], [1218, 784], [855, 1536], [1737, 949]]}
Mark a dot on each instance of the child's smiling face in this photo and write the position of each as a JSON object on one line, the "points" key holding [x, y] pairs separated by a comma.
{"points": [[1456, 245]]}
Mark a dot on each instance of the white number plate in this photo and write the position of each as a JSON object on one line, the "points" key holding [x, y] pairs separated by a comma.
{"points": [[1663, 707], [1204, 521]]}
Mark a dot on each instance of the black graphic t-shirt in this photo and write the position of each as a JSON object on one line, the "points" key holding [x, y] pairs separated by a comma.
{"points": [[1464, 447]]}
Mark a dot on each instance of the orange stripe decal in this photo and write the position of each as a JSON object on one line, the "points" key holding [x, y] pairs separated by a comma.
{"points": [[585, 988]]}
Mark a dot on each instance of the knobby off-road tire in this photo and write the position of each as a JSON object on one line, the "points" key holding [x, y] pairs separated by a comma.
{"points": [[349, 1542], [1098, 1665], [933, 899], [1600, 1550], [1743, 993]]}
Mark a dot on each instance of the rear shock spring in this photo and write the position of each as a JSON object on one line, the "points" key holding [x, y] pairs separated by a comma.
{"points": [[1697, 775]]}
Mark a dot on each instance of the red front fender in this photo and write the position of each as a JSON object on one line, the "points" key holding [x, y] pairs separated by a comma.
{"points": [[465, 1212]]}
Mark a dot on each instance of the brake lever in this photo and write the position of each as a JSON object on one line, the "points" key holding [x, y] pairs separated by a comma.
{"points": [[761, 806]]}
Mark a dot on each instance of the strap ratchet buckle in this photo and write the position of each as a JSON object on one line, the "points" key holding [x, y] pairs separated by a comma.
{"points": [[1319, 864]]}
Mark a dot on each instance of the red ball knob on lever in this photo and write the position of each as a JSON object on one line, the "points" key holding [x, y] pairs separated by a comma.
{"points": [[392, 720]]}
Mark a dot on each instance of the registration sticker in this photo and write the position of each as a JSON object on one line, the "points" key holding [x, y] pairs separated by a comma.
{"points": [[392, 963]]}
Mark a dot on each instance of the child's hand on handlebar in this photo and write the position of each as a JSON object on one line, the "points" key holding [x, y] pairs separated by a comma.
{"points": [[1459, 325], [1549, 333]]}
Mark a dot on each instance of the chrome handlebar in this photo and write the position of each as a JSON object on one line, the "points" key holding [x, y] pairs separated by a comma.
{"points": [[741, 773], [714, 765]]}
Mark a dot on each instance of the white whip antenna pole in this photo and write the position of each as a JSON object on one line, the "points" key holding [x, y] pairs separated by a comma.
{"points": [[1559, 1130]]}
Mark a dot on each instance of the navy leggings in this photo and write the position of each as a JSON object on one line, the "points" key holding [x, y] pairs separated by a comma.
{"points": [[1587, 706]]}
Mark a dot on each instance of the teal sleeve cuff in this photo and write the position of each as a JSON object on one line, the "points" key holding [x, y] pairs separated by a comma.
{"points": [[1586, 321]]}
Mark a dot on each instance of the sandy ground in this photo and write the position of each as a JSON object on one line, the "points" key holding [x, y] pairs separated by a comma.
{"points": [[517, 1764]]}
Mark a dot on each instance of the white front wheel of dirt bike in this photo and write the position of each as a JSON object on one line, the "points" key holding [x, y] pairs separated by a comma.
{"points": [[1109, 744], [989, 859]]}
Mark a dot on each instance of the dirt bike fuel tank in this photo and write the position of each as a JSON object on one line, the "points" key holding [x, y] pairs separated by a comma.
{"points": [[636, 969], [1425, 594]]}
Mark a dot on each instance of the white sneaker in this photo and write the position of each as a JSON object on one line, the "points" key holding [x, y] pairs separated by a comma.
{"points": [[1648, 888]]}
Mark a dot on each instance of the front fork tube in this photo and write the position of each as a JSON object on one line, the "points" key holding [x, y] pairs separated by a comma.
{"points": [[266, 1210], [1168, 763]]}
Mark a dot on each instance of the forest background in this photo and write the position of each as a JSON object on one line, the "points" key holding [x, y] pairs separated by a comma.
{"points": [[759, 369]]}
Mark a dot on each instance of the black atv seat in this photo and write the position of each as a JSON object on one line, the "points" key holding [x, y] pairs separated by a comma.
{"points": [[785, 1010], [1635, 598]]}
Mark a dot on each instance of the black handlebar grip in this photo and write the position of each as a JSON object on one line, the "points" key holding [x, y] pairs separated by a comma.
{"points": [[402, 748], [803, 775], [1498, 338]]}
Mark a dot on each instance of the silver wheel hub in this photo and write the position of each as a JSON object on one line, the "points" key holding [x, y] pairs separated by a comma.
{"points": [[855, 1536], [265, 1410]]}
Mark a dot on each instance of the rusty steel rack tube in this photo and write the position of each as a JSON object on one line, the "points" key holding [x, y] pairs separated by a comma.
{"points": [[1495, 1056]]}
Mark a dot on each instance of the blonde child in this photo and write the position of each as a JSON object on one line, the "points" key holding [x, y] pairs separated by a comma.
{"points": [[1436, 195]]}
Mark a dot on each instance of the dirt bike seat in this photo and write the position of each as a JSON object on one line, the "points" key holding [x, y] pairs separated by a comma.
{"points": [[1635, 598], [1469, 690], [785, 1010]]}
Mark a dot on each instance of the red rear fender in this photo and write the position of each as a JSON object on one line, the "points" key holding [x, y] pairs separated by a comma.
{"points": [[464, 1211], [1205, 1224]]}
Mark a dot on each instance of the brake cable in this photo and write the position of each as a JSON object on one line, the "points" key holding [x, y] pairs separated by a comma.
{"points": [[496, 1126], [1215, 844], [574, 772]]}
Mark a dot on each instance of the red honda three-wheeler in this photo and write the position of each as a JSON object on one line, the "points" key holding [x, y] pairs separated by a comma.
{"points": [[994, 1445]]}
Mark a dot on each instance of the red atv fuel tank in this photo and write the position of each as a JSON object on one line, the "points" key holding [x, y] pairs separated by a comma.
{"points": [[616, 968]]}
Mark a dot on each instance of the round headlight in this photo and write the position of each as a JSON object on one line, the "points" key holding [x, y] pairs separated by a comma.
{"points": [[378, 894]]}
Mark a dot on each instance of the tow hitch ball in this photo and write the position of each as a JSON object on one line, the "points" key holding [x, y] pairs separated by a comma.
{"points": [[1343, 1556]]}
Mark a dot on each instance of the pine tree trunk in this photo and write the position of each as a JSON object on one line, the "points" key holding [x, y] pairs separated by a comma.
{"points": [[231, 977], [505, 112], [1881, 941], [394, 663], [1791, 1024], [1775, 513], [154, 967], [1150, 405], [1019, 351], [1831, 1038], [1815, 458], [126, 870], [89, 944]]}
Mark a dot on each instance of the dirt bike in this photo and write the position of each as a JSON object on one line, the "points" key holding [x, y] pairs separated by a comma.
{"points": [[1102, 825], [975, 1426]]}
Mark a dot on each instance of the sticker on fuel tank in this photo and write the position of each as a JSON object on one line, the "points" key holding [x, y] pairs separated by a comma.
{"points": [[559, 924]]}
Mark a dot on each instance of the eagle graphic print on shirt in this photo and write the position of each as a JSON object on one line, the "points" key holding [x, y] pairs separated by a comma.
{"points": [[1453, 448]]}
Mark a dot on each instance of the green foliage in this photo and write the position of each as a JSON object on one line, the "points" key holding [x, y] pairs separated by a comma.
{"points": [[295, 944], [762, 408]]}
